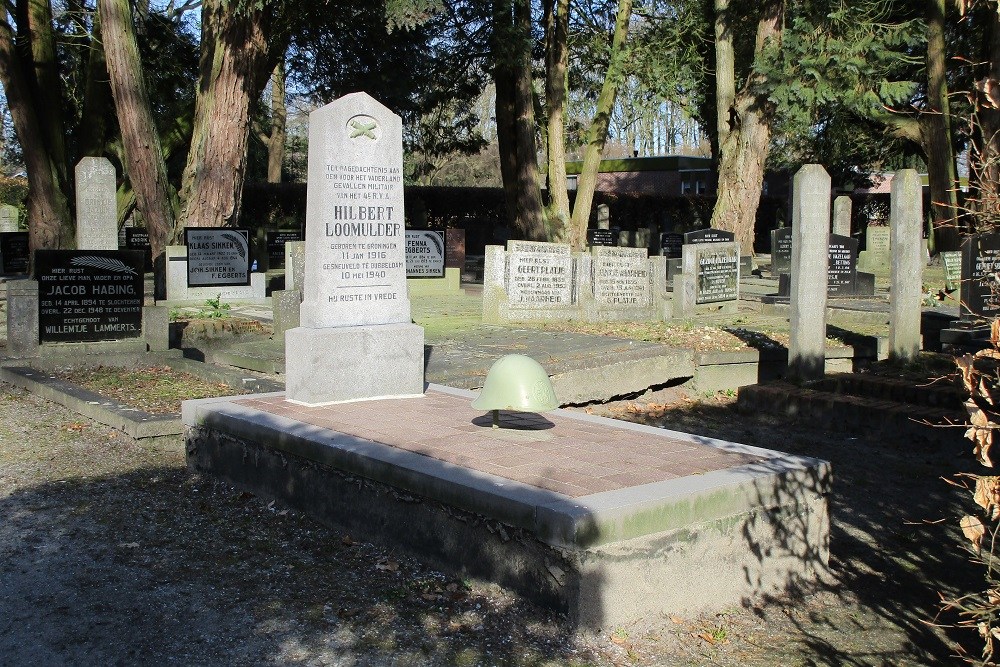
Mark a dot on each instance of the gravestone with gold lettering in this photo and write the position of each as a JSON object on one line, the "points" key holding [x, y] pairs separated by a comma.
{"points": [[355, 340]]}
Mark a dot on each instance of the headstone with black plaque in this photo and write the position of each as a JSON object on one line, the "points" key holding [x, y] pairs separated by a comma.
{"points": [[671, 244], [425, 253], [781, 250], [14, 252], [138, 239], [601, 237], [980, 288], [709, 235], [89, 295], [217, 256], [275, 240], [842, 267]]}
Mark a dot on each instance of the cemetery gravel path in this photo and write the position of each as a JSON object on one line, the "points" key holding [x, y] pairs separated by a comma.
{"points": [[112, 553]]}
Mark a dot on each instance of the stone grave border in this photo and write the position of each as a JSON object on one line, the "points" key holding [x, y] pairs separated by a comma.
{"points": [[577, 556], [146, 427]]}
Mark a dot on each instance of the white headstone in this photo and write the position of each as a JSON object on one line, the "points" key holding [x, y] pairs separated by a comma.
{"points": [[540, 274], [8, 218], [810, 266], [96, 206], [356, 340], [905, 221], [355, 232], [622, 277]]}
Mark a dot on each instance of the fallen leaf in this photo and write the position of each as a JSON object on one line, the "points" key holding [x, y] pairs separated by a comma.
{"points": [[973, 530], [987, 494], [677, 620], [387, 566]]}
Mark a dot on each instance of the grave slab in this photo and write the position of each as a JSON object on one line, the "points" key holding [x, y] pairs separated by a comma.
{"points": [[604, 521]]}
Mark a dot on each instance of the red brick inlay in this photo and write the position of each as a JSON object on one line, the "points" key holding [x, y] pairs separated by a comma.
{"points": [[547, 451]]}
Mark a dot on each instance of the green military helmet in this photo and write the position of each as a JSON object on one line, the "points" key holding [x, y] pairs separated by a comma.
{"points": [[516, 382]]}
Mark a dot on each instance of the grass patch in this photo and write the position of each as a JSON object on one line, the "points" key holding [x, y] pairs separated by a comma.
{"points": [[154, 389]]}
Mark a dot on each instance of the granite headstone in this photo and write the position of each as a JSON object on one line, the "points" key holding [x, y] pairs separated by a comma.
{"points": [[621, 277], [425, 253], [89, 295], [96, 205], [356, 340], [540, 274], [217, 256], [781, 250], [8, 218], [980, 290]]}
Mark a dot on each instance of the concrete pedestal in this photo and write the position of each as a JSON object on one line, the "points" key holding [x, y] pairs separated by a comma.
{"points": [[340, 364]]}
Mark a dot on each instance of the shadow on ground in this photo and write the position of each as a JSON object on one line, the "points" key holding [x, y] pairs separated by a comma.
{"points": [[895, 546], [158, 566]]}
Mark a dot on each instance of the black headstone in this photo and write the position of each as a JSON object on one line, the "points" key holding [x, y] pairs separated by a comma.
{"points": [[781, 250], [138, 239], [89, 295], [602, 237], [710, 235], [980, 289], [275, 240], [671, 244], [14, 253], [217, 256], [717, 277], [842, 266]]}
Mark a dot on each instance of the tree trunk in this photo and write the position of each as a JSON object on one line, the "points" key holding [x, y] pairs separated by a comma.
{"points": [[233, 69], [936, 133], [97, 98], [725, 74], [146, 169], [516, 117], [741, 167], [279, 119], [597, 133], [48, 223], [556, 65], [37, 44]]}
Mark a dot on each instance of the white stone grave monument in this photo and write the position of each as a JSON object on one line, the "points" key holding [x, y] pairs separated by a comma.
{"points": [[356, 340]]}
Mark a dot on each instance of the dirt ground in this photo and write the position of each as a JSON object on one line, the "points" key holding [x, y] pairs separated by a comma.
{"points": [[112, 553]]}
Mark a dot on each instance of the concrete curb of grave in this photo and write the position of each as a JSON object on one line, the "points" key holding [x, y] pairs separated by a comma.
{"points": [[871, 406], [135, 423], [601, 558]]}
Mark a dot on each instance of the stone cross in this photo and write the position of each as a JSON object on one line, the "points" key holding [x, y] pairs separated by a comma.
{"points": [[810, 226], [96, 206], [905, 229]]}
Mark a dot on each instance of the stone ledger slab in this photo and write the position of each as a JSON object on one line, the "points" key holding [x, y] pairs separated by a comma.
{"points": [[333, 364], [604, 521]]}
